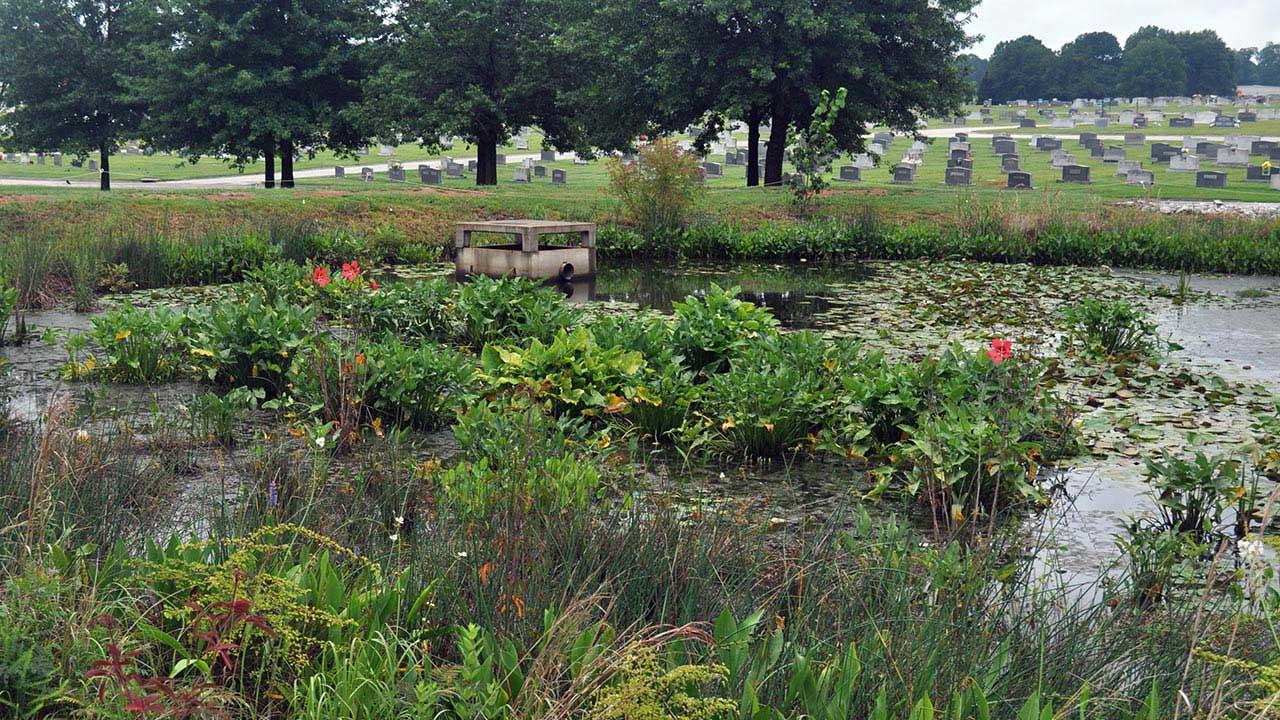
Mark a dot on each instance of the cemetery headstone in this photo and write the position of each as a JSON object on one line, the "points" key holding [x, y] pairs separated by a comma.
{"points": [[713, 169], [1232, 157], [520, 175], [1009, 164], [1113, 155], [1211, 179], [1181, 122], [1145, 178], [1275, 182], [428, 175], [1026, 123], [558, 177], [1183, 162], [1246, 116], [1019, 181], [395, 174], [93, 166], [1224, 121], [471, 165], [1124, 167], [366, 174], [547, 156], [453, 169], [864, 161], [539, 171], [1101, 122], [1087, 137], [1258, 173], [57, 160], [959, 176], [904, 174], [849, 173], [1262, 148], [339, 172], [1134, 139], [502, 159], [1075, 174], [1004, 147]]}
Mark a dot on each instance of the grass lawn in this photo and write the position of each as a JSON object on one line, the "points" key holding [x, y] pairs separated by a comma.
{"points": [[167, 167]]}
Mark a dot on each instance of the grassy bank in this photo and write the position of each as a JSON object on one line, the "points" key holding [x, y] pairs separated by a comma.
{"points": [[59, 247]]}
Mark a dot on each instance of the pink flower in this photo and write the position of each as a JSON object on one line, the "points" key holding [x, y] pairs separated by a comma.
{"points": [[1000, 350], [373, 286], [320, 276], [351, 270]]}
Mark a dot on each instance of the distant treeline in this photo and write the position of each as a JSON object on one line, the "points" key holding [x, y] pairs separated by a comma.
{"points": [[1153, 62]]}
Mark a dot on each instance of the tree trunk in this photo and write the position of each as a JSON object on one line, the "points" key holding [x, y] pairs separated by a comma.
{"points": [[104, 180], [269, 159], [777, 150], [487, 160], [753, 149], [286, 163]]}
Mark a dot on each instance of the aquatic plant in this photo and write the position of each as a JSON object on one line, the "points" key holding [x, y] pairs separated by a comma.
{"points": [[496, 311], [707, 331], [1113, 328]]}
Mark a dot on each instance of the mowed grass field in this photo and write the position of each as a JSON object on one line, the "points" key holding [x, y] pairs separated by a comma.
{"points": [[168, 167]]}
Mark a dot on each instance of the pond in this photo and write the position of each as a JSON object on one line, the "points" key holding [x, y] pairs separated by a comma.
{"points": [[1213, 390]]}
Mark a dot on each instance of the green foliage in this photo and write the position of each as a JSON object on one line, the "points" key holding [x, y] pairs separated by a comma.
{"points": [[494, 311], [423, 386], [519, 456], [1112, 328], [1019, 69], [658, 191], [645, 690], [28, 675], [773, 399], [709, 330], [814, 149], [249, 342], [1153, 67], [138, 346], [412, 310], [8, 307], [216, 415], [571, 374]]}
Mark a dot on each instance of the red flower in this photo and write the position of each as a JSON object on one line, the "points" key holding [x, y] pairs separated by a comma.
{"points": [[320, 276], [1000, 350], [351, 270], [373, 285]]}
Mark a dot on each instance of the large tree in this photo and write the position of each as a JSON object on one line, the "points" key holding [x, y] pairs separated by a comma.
{"points": [[974, 68], [1088, 66], [1268, 65], [60, 64], [1153, 67], [1246, 69], [481, 70], [1021, 69], [1210, 63], [243, 79]]}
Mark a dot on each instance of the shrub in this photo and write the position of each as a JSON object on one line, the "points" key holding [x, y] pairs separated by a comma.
{"points": [[646, 689], [423, 386], [657, 192], [410, 310], [28, 675], [139, 346], [520, 456], [771, 400], [709, 330], [571, 374], [250, 342], [493, 311], [1110, 328]]}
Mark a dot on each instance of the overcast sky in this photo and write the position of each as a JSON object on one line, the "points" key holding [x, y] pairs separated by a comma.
{"points": [[1241, 23]]}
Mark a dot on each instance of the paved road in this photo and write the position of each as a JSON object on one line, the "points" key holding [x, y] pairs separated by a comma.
{"points": [[249, 180], [246, 180]]}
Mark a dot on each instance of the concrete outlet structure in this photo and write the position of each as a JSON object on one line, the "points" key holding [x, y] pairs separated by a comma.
{"points": [[526, 256]]}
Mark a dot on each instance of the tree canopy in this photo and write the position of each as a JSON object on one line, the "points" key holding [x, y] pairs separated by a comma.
{"points": [[244, 79], [1153, 67], [1019, 69], [60, 73]]}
